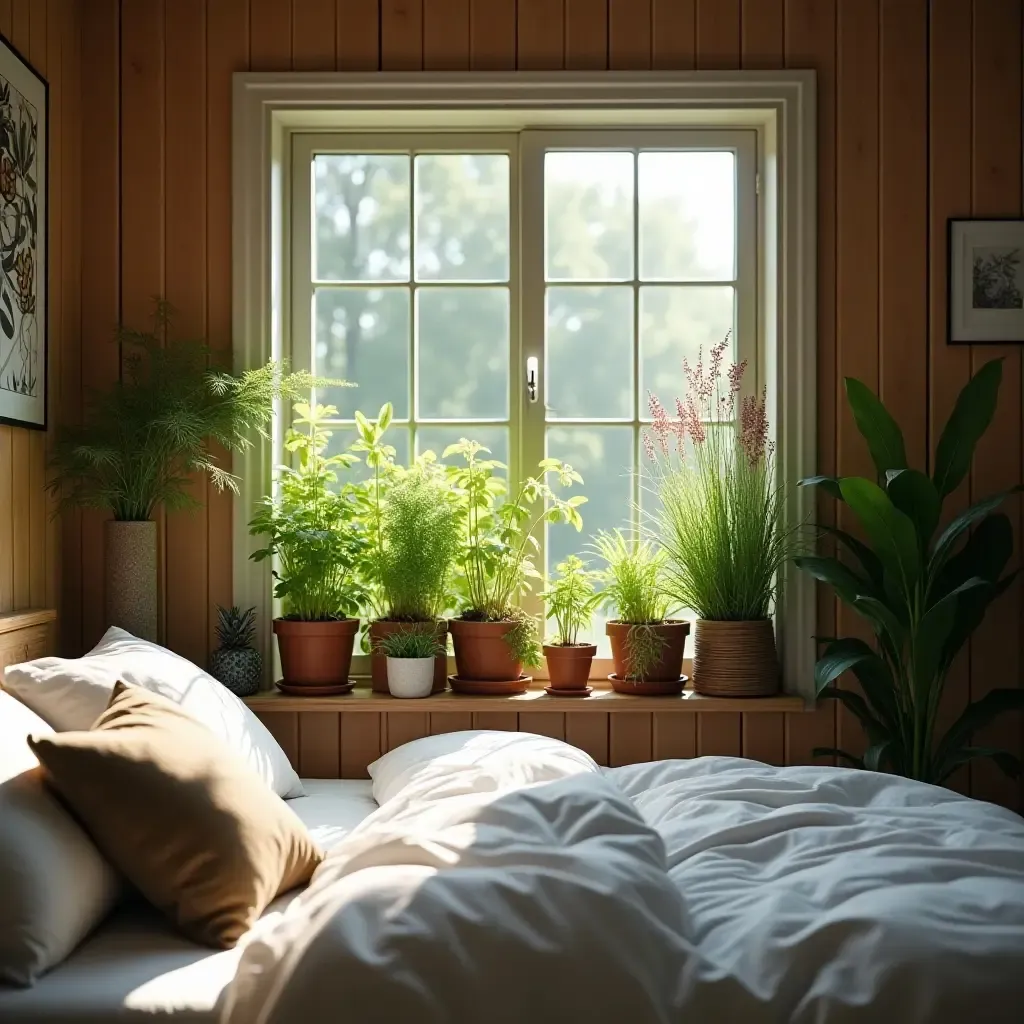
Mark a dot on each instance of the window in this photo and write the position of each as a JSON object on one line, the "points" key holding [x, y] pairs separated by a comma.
{"points": [[448, 273]]}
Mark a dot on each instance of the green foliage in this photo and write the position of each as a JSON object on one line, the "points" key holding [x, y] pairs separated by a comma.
{"points": [[632, 578], [313, 528], [922, 595], [571, 599], [410, 643], [523, 639], [720, 512], [141, 440], [419, 541], [235, 628], [643, 649], [498, 530]]}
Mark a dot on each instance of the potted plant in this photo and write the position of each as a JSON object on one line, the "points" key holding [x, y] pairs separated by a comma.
{"points": [[647, 646], [571, 601], [236, 663], [719, 524], [921, 590], [492, 637], [318, 541], [410, 656], [141, 440]]}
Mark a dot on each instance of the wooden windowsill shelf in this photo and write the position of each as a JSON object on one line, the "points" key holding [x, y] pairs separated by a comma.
{"points": [[602, 699]]}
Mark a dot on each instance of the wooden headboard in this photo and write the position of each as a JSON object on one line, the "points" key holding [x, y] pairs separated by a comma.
{"points": [[26, 635]]}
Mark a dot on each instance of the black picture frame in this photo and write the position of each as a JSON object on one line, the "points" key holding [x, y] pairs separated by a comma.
{"points": [[985, 280]]}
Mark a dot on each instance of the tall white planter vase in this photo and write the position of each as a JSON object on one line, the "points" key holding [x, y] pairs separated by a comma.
{"points": [[130, 589]]}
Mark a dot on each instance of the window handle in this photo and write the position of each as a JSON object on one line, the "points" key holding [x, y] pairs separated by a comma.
{"points": [[531, 377]]}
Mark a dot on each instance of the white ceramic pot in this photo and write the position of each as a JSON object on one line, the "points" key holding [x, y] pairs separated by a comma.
{"points": [[410, 677]]}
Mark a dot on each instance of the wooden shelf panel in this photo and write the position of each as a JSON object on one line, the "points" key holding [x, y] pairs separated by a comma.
{"points": [[12, 621], [600, 701]]}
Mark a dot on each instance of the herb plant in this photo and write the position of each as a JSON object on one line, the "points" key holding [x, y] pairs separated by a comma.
{"points": [[720, 513], [922, 591], [313, 530], [571, 599], [410, 643], [142, 439]]}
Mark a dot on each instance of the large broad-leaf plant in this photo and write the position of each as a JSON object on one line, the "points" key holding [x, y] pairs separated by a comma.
{"points": [[923, 590]]}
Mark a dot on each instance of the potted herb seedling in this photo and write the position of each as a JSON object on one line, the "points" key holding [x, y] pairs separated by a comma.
{"points": [[720, 525], [236, 663], [492, 637], [647, 646], [318, 542], [571, 601], [410, 655]]}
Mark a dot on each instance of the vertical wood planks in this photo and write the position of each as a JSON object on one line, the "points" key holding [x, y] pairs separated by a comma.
{"points": [[314, 35], [492, 35], [360, 742], [589, 732], [629, 35], [586, 34], [284, 727], [718, 34], [401, 35], [540, 35], [673, 34], [503, 721], [319, 745], [719, 734], [445, 35], [543, 723], [450, 721], [674, 735], [405, 726], [270, 35], [358, 35], [630, 739]]}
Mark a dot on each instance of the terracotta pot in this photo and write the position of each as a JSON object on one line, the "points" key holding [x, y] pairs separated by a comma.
{"points": [[315, 653], [130, 571], [481, 653], [379, 662], [735, 659], [569, 666], [669, 665]]}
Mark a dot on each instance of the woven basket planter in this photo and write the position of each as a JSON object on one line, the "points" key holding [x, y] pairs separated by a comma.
{"points": [[735, 659]]}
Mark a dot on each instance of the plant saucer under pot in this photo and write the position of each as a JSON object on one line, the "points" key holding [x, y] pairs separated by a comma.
{"points": [[482, 655], [315, 656]]}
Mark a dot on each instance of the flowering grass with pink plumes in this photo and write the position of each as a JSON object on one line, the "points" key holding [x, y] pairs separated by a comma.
{"points": [[720, 520]]}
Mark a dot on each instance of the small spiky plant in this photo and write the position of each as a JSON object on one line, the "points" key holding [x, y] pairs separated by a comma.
{"points": [[236, 663]]}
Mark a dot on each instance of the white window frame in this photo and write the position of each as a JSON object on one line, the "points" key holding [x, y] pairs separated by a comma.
{"points": [[778, 106]]}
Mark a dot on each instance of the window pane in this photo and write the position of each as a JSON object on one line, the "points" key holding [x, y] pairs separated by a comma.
{"points": [[687, 216], [604, 458], [345, 433], [590, 352], [462, 345], [362, 335], [362, 218], [462, 217], [677, 323], [588, 199], [436, 439]]}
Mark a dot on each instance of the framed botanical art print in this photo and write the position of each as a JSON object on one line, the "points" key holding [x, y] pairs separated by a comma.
{"points": [[24, 115], [986, 281]]}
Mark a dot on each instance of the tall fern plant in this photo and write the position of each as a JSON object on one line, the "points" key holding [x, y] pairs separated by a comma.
{"points": [[922, 591], [162, 421]]}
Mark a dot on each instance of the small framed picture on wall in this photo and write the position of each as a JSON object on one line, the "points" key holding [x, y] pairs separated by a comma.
{"points": [[986, 281]]}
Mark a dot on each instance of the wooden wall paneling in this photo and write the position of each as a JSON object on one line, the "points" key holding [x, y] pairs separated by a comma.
{"points": [[6, 17], [629, 35], [405, 726], [996, 192], [450, 721], [492, 35], [21, 514], [314, 35], [857, 320], [401, 35], [810, 42], [719, 734], [6, 518], [361, 742], [673, 34], [227, 51], [319, 744], [718, 34], [586, 34], [187, 570], [762, 46], [270, 35], [674, 735], [445, 35], [543, 723], [284, 727], [358, 35], [630, 739], [21, 20], [589, 732], [949, 194], [503, 721], [101, 267], [540, 35]]}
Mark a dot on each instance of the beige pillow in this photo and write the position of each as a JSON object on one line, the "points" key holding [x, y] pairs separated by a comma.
{"points": [[194, 828]]}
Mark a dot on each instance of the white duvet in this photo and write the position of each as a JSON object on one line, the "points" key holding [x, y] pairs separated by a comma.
{"points": [[710, 890]]}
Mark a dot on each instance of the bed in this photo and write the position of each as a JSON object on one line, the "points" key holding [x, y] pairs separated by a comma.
{"points": [[135, 967]]}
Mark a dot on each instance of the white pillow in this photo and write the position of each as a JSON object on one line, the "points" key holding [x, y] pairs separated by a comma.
{"points": [[55, 886], [520, 756], [71, 693]]}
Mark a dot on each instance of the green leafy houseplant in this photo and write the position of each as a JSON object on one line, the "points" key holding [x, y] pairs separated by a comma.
{"points": [[571, 600], [498, 533], [922, 590], [410, 643]]}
